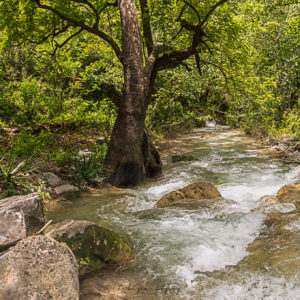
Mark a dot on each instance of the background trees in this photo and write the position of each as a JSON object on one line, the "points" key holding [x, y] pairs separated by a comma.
{"points": [[238, 63]]}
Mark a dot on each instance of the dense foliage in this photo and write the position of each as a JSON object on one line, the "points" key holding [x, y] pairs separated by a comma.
{"points": [[247, 75]]}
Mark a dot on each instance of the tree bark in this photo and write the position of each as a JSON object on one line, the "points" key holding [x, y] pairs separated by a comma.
{"points": [[129, 145]]}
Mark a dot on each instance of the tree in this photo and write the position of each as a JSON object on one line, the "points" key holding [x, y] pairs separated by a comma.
{"points": [[182, 32]]}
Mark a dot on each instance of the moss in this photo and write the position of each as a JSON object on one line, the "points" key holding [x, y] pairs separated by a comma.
{"points": [[100, 245]]}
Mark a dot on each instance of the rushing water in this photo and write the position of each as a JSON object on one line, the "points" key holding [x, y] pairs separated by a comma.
{"points": [[202, 254]]}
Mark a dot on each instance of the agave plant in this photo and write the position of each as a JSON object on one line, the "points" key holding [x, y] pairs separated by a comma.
{"points": [[87, 168], [13, 174]]}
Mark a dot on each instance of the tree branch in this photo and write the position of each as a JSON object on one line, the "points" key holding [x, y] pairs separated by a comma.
{"points": [[57, 45], [146, 25], [212, 9], [83, 26], [194, 9]]}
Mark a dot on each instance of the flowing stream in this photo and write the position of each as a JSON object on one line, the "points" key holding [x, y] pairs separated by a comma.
{"points": [[203, 253]]}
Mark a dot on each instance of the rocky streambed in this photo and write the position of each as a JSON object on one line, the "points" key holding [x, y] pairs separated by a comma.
{"points": [[217, 224]]}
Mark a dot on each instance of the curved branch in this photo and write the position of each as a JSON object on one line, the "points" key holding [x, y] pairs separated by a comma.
{"points": [[194, 9], [57, 45], [83, 26], [212, 9]]}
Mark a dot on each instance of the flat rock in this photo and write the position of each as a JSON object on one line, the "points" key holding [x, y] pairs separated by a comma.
{"points": [[94, 246], [52, 179], [195, 195], [21, 216], [39, 268], [66, 189]]}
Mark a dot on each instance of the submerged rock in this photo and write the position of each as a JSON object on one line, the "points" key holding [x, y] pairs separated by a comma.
{"points": [[179, 158], [21, 216], [94, 246], [111, 284], [200, 194], [290, 194], [39, 268], [66, 189]]}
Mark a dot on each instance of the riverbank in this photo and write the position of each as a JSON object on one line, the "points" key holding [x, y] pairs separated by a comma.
{"points": [[58, 151]]}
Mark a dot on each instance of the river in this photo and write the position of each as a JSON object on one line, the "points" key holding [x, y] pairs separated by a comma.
{"points": [[203, 253]]}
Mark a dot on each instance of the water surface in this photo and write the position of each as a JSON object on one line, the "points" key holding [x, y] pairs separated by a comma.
{"points": [[202, 254]]}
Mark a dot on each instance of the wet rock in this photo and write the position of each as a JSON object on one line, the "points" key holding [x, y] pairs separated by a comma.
{"points": [[111, 284], [179, 158], [268, 199], [290, 194], [39, 268], [200, 194], [66, 189], [94, 246], [21, 216], [52, 179]]}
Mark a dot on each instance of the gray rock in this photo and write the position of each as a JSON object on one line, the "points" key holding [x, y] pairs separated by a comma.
{"points": [[21, 216], [94, 246], [39, 268], [52, 179], [66, 189]]}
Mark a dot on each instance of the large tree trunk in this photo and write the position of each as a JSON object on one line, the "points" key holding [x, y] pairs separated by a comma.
{"points": [[128, 146]]}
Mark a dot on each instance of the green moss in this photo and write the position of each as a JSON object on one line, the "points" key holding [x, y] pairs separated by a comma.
{"points": [[100, 245]]}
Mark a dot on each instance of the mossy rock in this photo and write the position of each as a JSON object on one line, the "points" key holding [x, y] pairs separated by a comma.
{"points": [[93, 246], [290, 194], [193, 196]]}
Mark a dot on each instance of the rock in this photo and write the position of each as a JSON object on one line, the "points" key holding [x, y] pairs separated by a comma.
{"points": [[268, 199], [111, 284], [290, 194], [52, 179], [21, 216], [39, 268], [94, 246], [66, 189], [200, 194], [178, 158]]}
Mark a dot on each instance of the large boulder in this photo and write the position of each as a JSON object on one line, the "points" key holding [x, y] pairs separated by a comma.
{"points": [[193, 196], [39, 268], [290, 194], [94, 246], [21, 216]]}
